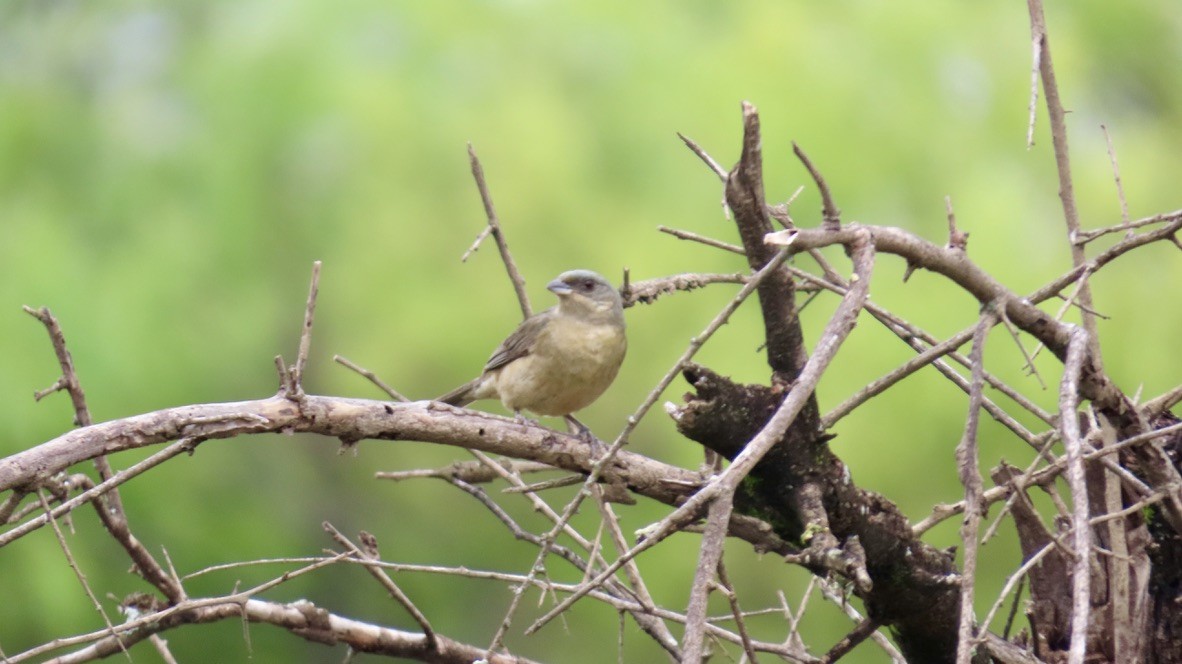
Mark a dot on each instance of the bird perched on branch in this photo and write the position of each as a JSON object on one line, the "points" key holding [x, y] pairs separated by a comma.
{"points": [[560, 360]]}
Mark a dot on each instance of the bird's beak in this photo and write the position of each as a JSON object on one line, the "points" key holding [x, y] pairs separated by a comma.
{"points": [[559, 288]]}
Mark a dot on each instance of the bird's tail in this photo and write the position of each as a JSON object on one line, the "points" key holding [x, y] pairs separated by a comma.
{"points": [[462, 395]]}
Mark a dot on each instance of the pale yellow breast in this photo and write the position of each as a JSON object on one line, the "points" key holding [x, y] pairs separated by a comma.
{"points": [[571, 364]]}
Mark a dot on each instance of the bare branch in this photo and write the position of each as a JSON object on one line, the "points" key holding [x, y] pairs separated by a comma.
{"points": [[356, 419], [848, 642], [386, 581], [1127, 226], [916, 338], [1161, 404], [109, 504], [702, 239], [78, 573], [736, 611], [1037, 37], [1096, 385], [707, 159], [645, 619], [69, 378], [830, 215], [1120, 189], [968, 466], [709, 557], [1077, 352], [648, 291], [957, 239], [498, 234], [370, 376], [297, 371], [1057, 116], [829, 592], [301, 618], [473, 472]]}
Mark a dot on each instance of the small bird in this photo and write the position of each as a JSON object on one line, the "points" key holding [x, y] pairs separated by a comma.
{"points": [[560, 360]]}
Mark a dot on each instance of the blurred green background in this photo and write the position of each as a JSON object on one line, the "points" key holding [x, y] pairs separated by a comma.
{"points": [[169, 171]]}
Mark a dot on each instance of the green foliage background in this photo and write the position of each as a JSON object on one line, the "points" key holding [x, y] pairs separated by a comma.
{"points": [[169, 171]]}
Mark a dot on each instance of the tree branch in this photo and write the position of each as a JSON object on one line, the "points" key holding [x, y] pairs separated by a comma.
{"points": [[351, 419]]}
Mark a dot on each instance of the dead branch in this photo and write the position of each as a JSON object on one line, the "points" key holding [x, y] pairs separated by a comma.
{"points": [[352, 419]]}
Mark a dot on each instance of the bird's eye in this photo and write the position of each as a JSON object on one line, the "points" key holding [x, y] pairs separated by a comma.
{"points": [[588, 285]]}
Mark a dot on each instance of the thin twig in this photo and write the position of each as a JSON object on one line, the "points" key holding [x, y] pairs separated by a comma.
{"points": [[701, 239], [387, 583], [1037, 34], [848, 642], [830, 215], [510, 475], [284, 374], [370, 376], [916, 338], [647, 621], [73, 386], [1031, 369], [129, 631], [179, 447], [792, 652], [831, 593], [1009, 626], [474, 472], [957, 239], [1046, 475], [706, 158], [297, 371], [563, 552], [556, 483], [736, 611], [480, 237], [1014, 579], [1120, 189], [1160, 404], [78, 573], [1068, 301], [10, 505], [546, 544], [69, 378], [498, 234], [1085, 237], [161, 646]]}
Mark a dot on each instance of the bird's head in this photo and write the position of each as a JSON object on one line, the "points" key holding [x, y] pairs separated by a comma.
{"points": [[585, 292]]}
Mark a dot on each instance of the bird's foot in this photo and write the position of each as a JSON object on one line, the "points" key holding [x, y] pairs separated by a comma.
{"points": [[614, 491], [523, 420], [584, 433]]}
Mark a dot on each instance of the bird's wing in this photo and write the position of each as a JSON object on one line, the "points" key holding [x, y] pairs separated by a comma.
{"points": [[521, 342]]}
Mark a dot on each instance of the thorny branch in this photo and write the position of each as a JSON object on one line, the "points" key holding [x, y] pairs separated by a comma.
{"points": [[1130, 445], [968, 465]]}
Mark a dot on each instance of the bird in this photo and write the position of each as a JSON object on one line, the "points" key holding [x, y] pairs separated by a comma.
{"points": [[560, 360]]}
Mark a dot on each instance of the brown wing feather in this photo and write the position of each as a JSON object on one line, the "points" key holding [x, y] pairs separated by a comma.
{"points": [[521, 342]]}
